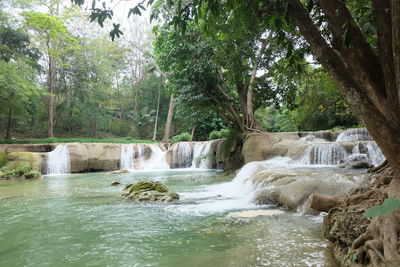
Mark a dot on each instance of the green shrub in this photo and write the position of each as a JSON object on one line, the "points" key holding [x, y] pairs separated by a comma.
{"points": [[183, 137], [3, 159], [224, 133], [23, 170]]}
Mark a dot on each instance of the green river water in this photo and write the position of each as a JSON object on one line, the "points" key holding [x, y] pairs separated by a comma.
{"points": [[80, 220]]}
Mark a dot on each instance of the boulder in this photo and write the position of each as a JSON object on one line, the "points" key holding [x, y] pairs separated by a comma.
{"points": [[147, 191], [115, 183]]}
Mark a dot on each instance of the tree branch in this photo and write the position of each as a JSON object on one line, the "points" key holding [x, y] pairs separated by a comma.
{"points": [[396, 44]]}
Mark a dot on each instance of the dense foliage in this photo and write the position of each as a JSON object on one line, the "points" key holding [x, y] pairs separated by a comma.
{"points": [[227, 74]]}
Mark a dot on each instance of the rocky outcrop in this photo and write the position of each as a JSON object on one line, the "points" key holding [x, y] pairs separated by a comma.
{"points": [[294, 189], [146, 191], [88, 157], [265, 146], [27, 147], [31, 159], [22, 165]]}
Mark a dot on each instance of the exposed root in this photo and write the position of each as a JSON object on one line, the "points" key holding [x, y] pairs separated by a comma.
{"points": [[367, 242]]}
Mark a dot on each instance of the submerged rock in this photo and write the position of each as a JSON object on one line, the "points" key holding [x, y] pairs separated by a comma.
{"points": [[146, 191], [254, 213], [115, 183]]}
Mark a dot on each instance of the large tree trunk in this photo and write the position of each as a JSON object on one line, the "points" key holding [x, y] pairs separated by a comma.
{"points": [[9, 122], [158, 109], [370, 83], [50, 100], [357, 71], [251, 120], [169, 120]]}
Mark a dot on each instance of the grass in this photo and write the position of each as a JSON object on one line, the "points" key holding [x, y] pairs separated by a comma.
{"points": [[125, 140]]}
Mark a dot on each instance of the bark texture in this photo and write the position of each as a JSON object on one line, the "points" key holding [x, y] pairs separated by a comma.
{"points": [[169, 120]]}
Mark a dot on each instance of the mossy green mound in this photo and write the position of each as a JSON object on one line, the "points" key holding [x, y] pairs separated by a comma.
{"points": [[3, 159], [24, 171], [146, 191]]}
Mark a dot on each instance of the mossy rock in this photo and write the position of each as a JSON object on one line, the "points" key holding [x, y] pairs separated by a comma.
{"points": [[15, 160], [146, 191], [24, 171]]}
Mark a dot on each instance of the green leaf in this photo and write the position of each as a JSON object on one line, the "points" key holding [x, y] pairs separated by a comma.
{"points": [[390, 205]]}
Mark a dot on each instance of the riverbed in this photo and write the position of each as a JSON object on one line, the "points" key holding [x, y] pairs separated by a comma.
{"points": [[80, 220]]}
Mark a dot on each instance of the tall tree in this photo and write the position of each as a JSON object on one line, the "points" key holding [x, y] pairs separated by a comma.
{"points": [[54, 39]]}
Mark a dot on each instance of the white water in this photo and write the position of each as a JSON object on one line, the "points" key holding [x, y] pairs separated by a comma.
{"points": [[202, 158], [371, 150], [182, 155], [157, 160], [234, 195], [127, 156], [353, 135], [58, 161], [324, 154]]}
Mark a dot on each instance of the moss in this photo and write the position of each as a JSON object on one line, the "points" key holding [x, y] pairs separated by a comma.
{"points": [[3, 159], [23, 171], [148, 186]]}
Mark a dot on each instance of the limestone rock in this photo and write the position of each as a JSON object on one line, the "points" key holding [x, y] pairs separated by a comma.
{"points": [[33, 160], [265, 146], [86, 157], [146, 191]]}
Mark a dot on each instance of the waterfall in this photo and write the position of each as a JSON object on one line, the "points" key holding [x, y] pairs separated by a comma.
{"points": [[324, 154], [375, 154], [202, 155], [352, 135], [58, 160], [127, 156], [157, 159], [139, 159], [182, 155], [372, 151]]}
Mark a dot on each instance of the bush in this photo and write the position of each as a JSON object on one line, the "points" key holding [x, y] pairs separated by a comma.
{"points": [[3, 158], [183, 137], [23, 170], [224, 133]]}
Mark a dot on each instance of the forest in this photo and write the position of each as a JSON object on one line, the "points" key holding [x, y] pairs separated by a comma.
{"points": [[246, 120], [62, 76]]}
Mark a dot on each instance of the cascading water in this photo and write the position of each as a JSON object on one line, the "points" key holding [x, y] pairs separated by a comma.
{"points": [[353, 135], [371, 150], [182, 155], [324, 154], [139, 159], [157, 159], [374, 153], [127, 156], [58, 161], [202, 155]]}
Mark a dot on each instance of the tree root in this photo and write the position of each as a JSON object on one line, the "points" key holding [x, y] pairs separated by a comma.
{"points": [[361, 241]]}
